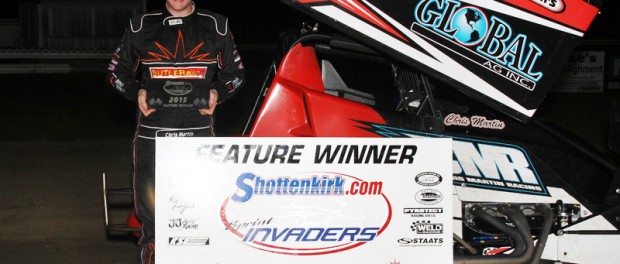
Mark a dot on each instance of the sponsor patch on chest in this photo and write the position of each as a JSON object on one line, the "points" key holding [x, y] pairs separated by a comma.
{"points": [[178, 73], [176, 21]]}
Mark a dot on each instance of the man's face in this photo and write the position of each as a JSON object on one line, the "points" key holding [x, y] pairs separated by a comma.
{"points": [[180, 5]]}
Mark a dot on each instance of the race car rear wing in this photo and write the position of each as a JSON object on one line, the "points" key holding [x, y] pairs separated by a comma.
{"points": [[504, 53]]}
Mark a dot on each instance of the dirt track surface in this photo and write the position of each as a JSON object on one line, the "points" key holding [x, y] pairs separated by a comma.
{"points": [[51, 201]]}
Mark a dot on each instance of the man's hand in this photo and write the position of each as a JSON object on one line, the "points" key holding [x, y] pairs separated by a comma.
{"points": [[144, 107], [213, 95]]}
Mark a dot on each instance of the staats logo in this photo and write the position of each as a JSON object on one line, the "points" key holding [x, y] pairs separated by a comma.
{"points": [[426, 227], [492, 42], [428, 178], [188, 241], [428, 196], [555, 6], [483, 164], [310, 214], [419, 241]]}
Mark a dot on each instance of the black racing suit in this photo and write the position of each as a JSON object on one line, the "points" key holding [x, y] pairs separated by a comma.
{"points": [[158, 49]]}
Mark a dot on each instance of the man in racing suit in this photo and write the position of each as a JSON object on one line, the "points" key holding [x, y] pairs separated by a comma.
{"points": [[187, 49]]}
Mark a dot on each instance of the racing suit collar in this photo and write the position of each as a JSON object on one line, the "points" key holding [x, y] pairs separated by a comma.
{"points": [[171, 20]]}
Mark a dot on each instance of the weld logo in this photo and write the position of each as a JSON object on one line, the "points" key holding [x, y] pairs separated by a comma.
{"points": [[483, 164], [308, 214], [509, 53], [556, 6], [426, 227]]}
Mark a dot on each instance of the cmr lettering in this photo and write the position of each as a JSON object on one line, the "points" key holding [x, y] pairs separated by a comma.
{"points": [[495, 167]]}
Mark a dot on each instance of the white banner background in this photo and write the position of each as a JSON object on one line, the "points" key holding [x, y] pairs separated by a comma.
{"points": [[198, 221]]}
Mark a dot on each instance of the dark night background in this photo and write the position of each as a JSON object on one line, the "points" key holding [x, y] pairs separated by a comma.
{"points": [[79, 97], [61, 127], [271, 16]]}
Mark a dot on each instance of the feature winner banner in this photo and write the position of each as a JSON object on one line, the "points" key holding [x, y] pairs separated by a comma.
{"points": [[303, 200]]}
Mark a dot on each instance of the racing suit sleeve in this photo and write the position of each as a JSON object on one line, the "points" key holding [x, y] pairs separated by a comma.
{"points": [[231, 73], [121, 72]]}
